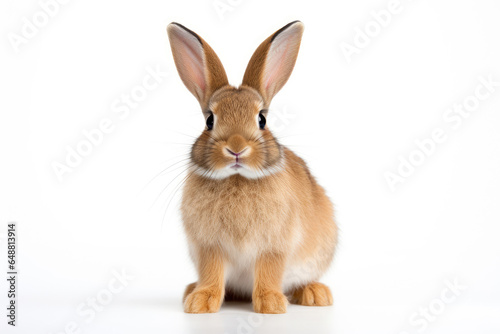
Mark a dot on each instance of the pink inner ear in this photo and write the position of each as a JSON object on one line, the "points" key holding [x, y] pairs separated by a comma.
{"points": [[190, 61], [273, 68], [281, 59], [195, 65]]}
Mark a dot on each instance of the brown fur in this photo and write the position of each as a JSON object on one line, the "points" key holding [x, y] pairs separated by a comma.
{"points": [[236, 110], [279, 220]]}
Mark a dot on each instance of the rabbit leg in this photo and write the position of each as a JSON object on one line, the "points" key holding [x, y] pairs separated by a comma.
{"points": [[207, 294], [267, 296]]}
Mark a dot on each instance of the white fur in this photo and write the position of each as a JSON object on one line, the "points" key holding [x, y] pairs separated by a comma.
{"points": [[239, 273], [245, 171], [239, 270]]}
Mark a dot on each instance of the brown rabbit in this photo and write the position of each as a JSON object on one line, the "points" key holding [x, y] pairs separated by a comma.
{"points": [[258, 224]]}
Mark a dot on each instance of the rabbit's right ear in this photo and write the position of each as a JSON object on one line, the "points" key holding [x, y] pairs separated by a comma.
{"points": [[199, 67]]}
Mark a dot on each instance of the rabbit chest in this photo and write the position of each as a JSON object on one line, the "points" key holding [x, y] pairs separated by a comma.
{"points": [[238, 213]]}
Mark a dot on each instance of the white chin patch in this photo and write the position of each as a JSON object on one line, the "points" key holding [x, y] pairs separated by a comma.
{"points": [[243, 171]]}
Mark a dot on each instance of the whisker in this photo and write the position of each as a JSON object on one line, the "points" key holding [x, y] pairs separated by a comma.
{"points": [[165, 188], [176, 189]]}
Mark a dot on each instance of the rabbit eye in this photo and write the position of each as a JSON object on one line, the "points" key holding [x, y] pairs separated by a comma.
{"points": [[210, 121], [262, 121]]}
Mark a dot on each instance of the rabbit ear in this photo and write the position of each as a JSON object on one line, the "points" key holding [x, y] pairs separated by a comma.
{"points": [[199, 67], [273, 61]]}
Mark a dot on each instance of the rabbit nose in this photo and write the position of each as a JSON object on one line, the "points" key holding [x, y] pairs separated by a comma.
{"points": [[237, 154], [236, 145]]}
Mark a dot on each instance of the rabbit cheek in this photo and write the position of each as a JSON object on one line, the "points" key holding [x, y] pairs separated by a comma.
{"points": [[269, 152], [204, 153], [200, 152]]}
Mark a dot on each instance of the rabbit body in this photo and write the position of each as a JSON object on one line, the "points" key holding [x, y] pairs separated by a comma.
{"points": [[258, 224], [286, 213]]}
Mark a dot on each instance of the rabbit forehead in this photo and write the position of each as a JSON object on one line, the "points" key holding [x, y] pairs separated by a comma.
{"points": [[241, 102]]}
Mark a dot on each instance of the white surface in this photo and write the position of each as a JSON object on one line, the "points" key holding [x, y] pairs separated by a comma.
{"points": [[350, 121]]}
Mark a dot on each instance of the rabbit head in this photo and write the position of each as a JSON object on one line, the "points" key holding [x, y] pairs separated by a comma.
{"points": [[236, 139]]}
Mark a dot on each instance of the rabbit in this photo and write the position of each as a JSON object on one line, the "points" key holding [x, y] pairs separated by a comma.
{"points": [[258, 225]]}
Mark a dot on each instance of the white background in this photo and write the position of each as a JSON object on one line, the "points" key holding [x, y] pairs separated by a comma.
{"points": [[349, 120]]}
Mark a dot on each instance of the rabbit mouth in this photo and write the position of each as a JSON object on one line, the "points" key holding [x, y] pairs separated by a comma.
{"points": [[236, 166]]}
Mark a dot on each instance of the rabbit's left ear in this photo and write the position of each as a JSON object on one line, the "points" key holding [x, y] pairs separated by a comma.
{"points": [[199, 67], [272, 63]]}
